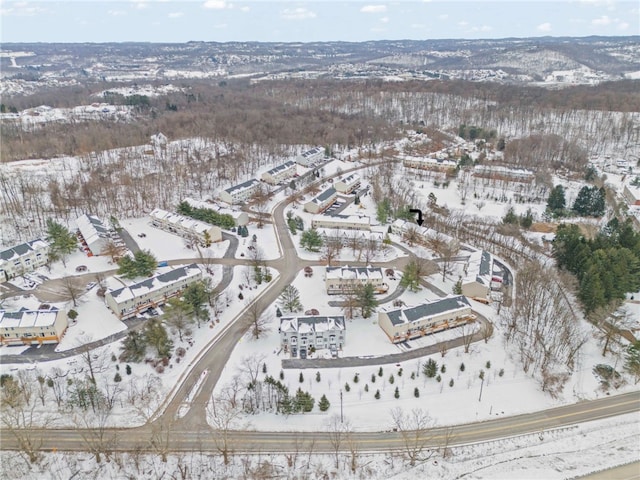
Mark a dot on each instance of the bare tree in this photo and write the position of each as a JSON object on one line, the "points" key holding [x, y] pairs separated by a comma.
{"points": [[350, 303], [72, 289], [224, 418], [260, 320], [608, 319], [467, 331], [99, 438], [414, 430], [95, 360], [337, 432], [331, 248], [21, 422], [160, 441], [113, 250], [447, 249]]}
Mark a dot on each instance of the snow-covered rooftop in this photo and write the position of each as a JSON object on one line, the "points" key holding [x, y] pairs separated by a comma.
{"points": [[359, 273], [22, 249], [28, 318], [429, 309], [185, 223], [312, 324], [155, 283]]}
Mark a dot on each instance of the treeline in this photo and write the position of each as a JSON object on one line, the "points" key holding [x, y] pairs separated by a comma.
{"points": [[606, 267], [222, 220]]}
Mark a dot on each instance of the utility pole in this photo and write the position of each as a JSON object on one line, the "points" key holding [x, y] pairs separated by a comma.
{"points": [[481, 385], [341, 417]]}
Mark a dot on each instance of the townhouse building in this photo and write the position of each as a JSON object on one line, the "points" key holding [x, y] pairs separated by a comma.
{"points": [[311, 156], [342, 222], [185, 227], [93, 234], [323, 201], [280, 173], [348, 184], [23, 258], [299, 334], [342, 280], [241, 192], [28, 327]]}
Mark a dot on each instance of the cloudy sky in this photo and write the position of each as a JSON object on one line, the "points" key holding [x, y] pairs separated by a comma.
{"points": [[320, 20]]}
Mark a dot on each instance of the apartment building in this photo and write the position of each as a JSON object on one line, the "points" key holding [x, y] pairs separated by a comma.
{"points": [[323, 201], [300, 334], [28, 327], [93, 234], [309, 157], [280, 173], [185, 227], [241, 192], [348, 184], [23, 258], [342, 222], [341, 280]]}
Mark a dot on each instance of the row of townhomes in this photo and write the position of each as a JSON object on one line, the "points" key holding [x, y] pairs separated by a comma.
{"points": [[27, 327], [280, 173], [303, 333], [239, 218], [351, 238], [23, 258], [426, 236], [241, 192], [93, 234], [480, 278], [348, 184], [341, 280], [323, 201], [127, 302], [405, 323], [342, 222], [310, 156], [429, 163], [186, 227], [499, 172]]}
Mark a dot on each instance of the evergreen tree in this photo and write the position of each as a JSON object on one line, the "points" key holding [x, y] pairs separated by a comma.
{"points": [[281, 375], [396, 393], [347, 388], [380, 372], [391, 379], [377, 395], [556, 203], [356, 378], [196, 295], [156, 336], [366, 298], [590, 202], [61, 241], [134, 347], [451, 382], [117, 377], [178, 314], [632, 360], [128, 369], [430, 369], [462, 367], [510, 217], [416, 392], [411, 277], [290, 299], [323, 404], [383, 210], [301, 378], [311, 240], [143, 264]]}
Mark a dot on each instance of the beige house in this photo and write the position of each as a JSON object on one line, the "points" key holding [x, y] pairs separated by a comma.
{"points": [[405, 323], [280, 173], [478, 274], [347, 184], [299, 334], [241, 192], [23, 258], [341, 280], [27, 327], [429, 163], [127, 302], [185, 227], [342, 222], [323, 201]]}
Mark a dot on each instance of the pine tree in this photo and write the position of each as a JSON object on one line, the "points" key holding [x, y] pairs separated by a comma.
{"points": [[197, 295], [323, 404], [128, 369], [133, 347], [117, 378], [366, 387], [156, 336], [264, 368], [380, 372], [391, 379], [556, 202], [62, 242], [347, 388], [311, 240], [373, 378], [318, 377], [416, 392], [430, 368], [487, 365], [443, 368], [356, 378], [481, 375], [290, 299], [281, 375], [301, 378], [396, 394], [462, 367], [438, 378], [377, 395], [366, 298], [451, 382]]}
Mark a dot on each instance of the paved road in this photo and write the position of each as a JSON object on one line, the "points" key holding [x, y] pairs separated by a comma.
{"points": [[624, 472], [200, 437]]}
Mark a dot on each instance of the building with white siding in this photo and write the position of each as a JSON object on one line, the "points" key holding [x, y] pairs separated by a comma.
{"points": [[478, 274], [348, 183], [310, 156], [631, 194], [341, 280], [299, 334], [241, 192], [185, 227], [429, 163], [323, 201], [93, 234], [127, 302], [280, 173], [342, 222], [405, 323], [27, 327], [349, 238], [23, 258]]}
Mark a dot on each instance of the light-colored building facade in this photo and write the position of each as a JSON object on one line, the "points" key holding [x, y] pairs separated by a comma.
{"points": [[299, 334], [342, 222], [280, 173], [405, 323], [341, 280], [429, 163], [499, 172], [241, 192], [323, 201], [424, 235], [23, 258], [352, 238], [347, 184], [185, 227], [27, 327], [239, 218], [631, 194], [93, 234], [127, 302], [478, 274], [310, 156]]}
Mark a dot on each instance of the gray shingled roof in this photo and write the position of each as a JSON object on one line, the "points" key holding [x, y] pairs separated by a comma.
{"points": [[279, 168], [167, 277], [328, 193], [241, 186], [485, 263], [425, 310]]}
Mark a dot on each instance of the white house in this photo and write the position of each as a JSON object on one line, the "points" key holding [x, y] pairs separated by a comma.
{"points": [[425, 236], [340, 280], [280, 173], [241, 192], [343, 222], [94, 235], [127, 302], [26, 327], [348, 183], [302, 333], [349, 238], [405, 323], [240, 218], [186, 227], [323, 201], [310, 156], [478, 275], [23, 258]]}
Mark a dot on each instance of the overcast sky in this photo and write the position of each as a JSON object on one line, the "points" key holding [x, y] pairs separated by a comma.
{"points": [[289, 21]]}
